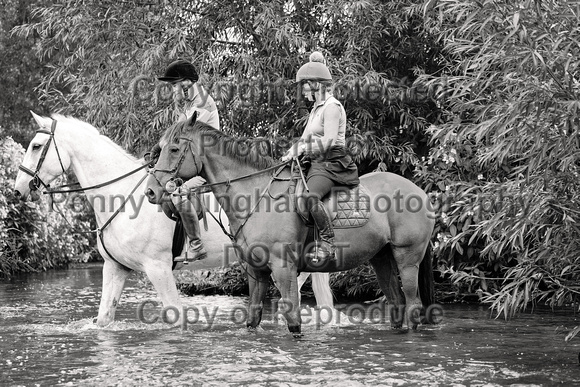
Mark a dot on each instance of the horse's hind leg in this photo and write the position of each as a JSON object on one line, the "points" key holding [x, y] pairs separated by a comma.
{"points": [[408, 260], [301, 281], [388, 277], [161, 276], [320, 287], [322, 290], [114, 276]]}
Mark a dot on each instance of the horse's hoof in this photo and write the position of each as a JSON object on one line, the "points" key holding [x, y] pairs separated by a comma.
{"points": [[399, 329], [295, 330]]}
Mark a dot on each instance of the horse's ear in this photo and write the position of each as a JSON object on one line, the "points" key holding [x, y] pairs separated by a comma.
{"points": [[39, 120], [192, 119]]}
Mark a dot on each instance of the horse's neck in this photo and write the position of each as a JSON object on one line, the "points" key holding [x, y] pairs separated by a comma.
{"points": [[232, 196], [94, 160]]}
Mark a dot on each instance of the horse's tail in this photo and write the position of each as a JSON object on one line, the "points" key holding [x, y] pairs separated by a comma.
{"points": [[426, 283]]}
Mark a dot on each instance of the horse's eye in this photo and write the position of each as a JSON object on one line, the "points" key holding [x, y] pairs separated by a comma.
{"points": [[174, 149], [36, 147]]}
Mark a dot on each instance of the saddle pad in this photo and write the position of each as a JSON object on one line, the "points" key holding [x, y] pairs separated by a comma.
{"points": [[349, 207]]}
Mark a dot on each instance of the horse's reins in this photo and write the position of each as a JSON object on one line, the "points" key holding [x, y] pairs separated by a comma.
{"points": [[100, 185], [278, 167], [175, 170], [206, 187]]}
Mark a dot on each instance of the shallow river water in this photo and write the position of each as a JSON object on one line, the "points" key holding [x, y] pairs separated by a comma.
{"points": [[47, 338]]}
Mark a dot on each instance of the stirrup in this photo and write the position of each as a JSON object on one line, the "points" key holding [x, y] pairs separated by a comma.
{"points": [[322, 253], [191, 255]]}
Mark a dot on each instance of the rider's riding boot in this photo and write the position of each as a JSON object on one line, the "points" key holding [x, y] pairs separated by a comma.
{"points": [[324, 248], [195, 250]]}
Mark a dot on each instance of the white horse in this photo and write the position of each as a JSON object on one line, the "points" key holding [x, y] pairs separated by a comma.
{"points": [[137, 236]]}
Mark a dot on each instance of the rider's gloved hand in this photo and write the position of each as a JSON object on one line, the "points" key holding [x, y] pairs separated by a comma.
{"points": [[195, 181], [295, 151], [185, 188]]}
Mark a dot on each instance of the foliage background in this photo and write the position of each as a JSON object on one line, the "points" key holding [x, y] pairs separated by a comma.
{"points": [[22, 71], [480, 108], [505, 155], [104, 56]]}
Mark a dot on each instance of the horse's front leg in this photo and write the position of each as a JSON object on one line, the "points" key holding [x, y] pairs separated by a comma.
{"points": [[258, 282], [114, 276], [161, 276], [287, 283]]}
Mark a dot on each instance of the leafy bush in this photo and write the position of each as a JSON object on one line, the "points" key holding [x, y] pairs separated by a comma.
{"points": [[360, 283], [505, 156], [374, 50], [228, 281], [32, 236]]}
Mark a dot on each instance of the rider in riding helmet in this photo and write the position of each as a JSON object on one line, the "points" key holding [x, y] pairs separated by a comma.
{"points": [[189, 97], [323, 144]]}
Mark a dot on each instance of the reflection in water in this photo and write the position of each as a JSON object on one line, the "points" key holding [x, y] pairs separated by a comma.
{"points": [[47, 337]]}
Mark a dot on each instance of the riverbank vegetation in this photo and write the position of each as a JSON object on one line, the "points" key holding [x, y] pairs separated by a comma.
{"points": [[357, 284], [477, 102]]}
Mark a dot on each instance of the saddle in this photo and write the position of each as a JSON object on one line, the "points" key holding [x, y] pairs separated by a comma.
{"points": [[347, 207]]}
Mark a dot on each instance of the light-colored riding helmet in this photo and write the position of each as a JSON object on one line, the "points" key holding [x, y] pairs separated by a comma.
{"points": [[314, 70]]}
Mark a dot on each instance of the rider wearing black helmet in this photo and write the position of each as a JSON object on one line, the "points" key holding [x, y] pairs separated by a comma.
{"points": [[189, 97]]}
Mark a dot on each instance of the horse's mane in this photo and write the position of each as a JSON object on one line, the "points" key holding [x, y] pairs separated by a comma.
{"points": [[249, 151], [76, 124]]}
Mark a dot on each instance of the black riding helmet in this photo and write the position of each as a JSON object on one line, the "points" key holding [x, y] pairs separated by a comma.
{"points": [[178, 71]]}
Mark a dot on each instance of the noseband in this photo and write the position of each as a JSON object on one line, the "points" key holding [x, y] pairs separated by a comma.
{"points": [[36, 181]]}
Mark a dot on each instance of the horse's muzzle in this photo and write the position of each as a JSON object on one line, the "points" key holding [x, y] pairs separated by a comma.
{"points": [[33, 195], [152, 196]]}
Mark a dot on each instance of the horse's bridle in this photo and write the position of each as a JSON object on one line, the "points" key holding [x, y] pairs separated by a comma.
{"points": [[175, 181], [36, 181], [198, 165]]}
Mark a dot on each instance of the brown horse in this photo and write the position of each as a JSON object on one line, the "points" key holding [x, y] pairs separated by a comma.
{"points": [[272, 238]]}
